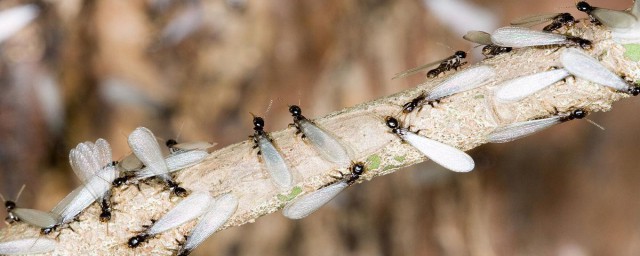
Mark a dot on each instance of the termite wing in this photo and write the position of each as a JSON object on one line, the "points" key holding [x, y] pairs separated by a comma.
{"points": [[214, 217], [188, 209], [522, 129], [271, 156], [465, 80], [610, 18], [447, 156], [326, 144], [583, 66], [175, 162], [34, 245], [144, 145], [33, 217], [489, 50], [14, 19], [518, 37], [307, 204], [175, 147], [558, 20], [454, 61], [522, 87]]}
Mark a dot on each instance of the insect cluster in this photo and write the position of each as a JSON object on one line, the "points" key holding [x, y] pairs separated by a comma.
{"points": [[93, 164]]}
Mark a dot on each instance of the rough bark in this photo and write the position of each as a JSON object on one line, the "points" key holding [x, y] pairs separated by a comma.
{"points": [[462, 120]]}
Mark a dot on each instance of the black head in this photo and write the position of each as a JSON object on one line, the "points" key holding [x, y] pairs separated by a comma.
{"points": [[48, 230], [180, 191], [392, 122], [408, 107], [170, 143], [357, 168], [295, 110], [578, 114], [183, 252], [584, 43], [460, 54], [258, 123], [10, 205], [565, 18], [584, 7], [120, 181], [105, 216], [433, 73], [633, 91], [137, 240]]}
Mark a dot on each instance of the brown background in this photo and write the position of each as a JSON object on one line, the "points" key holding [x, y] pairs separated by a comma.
{"points": [[89, 69]]}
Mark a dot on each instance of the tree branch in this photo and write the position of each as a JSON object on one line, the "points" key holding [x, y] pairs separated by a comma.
{"points": [[462, 120]]}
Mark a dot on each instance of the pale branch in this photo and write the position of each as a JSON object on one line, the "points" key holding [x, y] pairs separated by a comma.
{"points": [[462, 120]]}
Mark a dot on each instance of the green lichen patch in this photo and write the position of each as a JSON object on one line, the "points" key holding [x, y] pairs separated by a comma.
{"points": [[294, 192], [373, 162], [400, 158], [632, 51]]}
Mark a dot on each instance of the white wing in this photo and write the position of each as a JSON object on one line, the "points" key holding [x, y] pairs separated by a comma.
{"points": [[465, 80], [275, 164], [635, 10], [176, 162], [94, 188], [217, 215], [579, 64], [522, 129], [64, 203], [190, 208], [449, 157], [524, 37], [28, 246], [83, 161], [103, 152], [307, 204], [196, 145], [521, 87], [14, 19], [479, 37], [326, 144], [35, 217], [614, 18], [130, 163], [146, 148]]}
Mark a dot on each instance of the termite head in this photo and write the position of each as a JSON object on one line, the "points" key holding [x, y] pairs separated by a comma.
{"points": [[633, 91], [357, 168], [258, 123], [137, 240], [578, 114], [170, 143], [10, 205], [295, 110], [393, 123], [584, 7], [565, 18], [460, 54]]}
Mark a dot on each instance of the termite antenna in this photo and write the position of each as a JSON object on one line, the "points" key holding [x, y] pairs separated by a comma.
{"points": [[20, 192], [595, 124]]}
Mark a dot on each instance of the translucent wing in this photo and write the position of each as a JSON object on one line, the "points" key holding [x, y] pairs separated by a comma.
{"points": [[307, 204], [190, 208], [613, 18], [449, 157], [35, 217], [524, 37], [28, 246], [93, 189], [479, 37], [521, 87], [635, 10], [14, 19], [579, 64], [519, 130], [103, 152], [417, 69], [64, 203], [326, 144], [275, 164], [84, 161], [196, 145], [130, 163], [533, 20], [465, 80], [216, 215], [176, 162], [146, 148]]}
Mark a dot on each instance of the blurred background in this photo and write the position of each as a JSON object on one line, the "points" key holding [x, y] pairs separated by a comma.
{"points": [[193, 70]]}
